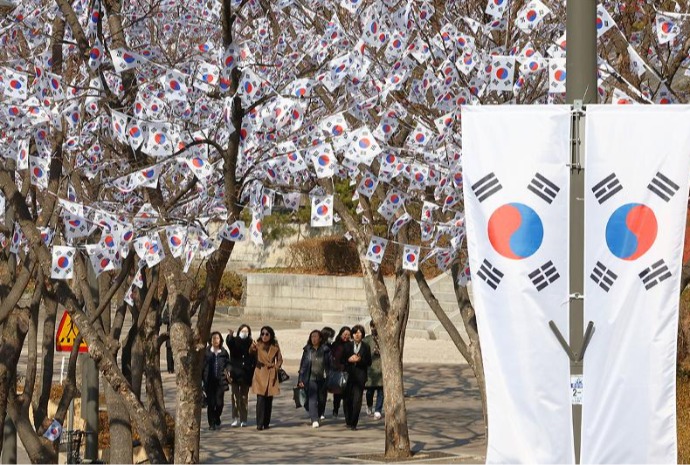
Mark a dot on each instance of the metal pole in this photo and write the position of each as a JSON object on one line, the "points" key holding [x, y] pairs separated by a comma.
{"points": [[581, 84], [9, 438], [91, 385]]}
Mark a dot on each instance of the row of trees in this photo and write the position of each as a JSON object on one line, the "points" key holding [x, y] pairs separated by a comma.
{"points": [[130, 127]]}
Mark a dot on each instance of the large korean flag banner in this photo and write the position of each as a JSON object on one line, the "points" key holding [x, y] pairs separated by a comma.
{"points": [[636, 191], [515, 170]]}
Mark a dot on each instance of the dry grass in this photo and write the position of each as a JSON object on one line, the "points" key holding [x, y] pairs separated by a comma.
{"points": [[683, 412]]}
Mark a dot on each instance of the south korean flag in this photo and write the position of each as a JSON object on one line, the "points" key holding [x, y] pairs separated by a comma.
{"points": [[516, 212], [496, 8], [410, 257], [667, 27], [376, 249], [63, 262], [636, 190], [502, 73], [321, 211], [324, 160], [235, 232]]}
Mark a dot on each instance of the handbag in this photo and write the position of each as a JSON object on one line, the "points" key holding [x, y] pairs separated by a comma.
{"points": [[336, 380], [228, 378], [282, 375], [299, 395]]}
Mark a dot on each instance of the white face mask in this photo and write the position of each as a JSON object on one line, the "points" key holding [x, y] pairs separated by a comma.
{"points": [[244, 334]]}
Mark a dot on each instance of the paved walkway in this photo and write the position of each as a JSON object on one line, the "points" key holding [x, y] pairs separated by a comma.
{"points": [[443, 406]]}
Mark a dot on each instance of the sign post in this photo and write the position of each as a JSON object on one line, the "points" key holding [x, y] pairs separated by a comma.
{"points": [[581, 84]]}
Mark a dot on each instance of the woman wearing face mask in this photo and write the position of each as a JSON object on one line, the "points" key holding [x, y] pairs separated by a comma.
{"points": [[357, 359], [265, 381], [242, 369], [337, 349]]}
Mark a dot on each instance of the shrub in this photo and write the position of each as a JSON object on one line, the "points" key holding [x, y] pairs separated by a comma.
{"points": [[325, 255]]}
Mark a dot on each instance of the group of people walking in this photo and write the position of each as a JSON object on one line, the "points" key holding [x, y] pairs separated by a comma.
{"points": [[352, 357], [249, 364], [346, 365]]}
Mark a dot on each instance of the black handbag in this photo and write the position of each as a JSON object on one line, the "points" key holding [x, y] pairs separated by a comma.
{"points": [[282, 375], [299, 395], [336, 380]]}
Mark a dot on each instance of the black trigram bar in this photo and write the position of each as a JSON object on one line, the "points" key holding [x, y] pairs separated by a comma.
{"points": [[486, 187], [543, 188], [607, 188], [544, 275], [490, 274], [663, 186], [603, 276], [655, 274]]}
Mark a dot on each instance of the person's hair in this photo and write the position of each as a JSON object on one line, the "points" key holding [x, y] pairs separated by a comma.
{"points": [[320, 337], [210, 338], [242, 326], [357, 328], [327, 332], [272, 340], [342, 330]]}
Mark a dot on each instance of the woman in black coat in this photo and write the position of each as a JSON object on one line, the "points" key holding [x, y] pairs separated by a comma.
{"points": [[313, 368], [213, 378], [242, 365], [357, 358], [337, 347]]}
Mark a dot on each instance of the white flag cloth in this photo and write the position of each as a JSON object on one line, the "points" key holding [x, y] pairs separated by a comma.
{"points": [[636, 190], [516, 207]]}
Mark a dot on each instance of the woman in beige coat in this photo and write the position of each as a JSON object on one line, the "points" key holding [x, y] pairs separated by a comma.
{"points": [[265, 382]]}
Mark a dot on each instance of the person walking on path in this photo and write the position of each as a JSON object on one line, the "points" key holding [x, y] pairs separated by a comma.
{"points": [[242, 365], [357, 359], [265, 381], [213, 378], [374, 374], [337, 348], [313, 368]]}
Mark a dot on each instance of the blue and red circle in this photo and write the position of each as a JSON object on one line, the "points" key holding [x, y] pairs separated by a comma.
{"points": [[631, 231], [515, 231]]}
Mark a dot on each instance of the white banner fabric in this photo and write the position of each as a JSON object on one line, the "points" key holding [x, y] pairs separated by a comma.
{"points": [[516, 203], [637, 162]]}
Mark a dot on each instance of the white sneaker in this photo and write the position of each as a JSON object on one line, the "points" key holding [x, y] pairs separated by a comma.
{"points": [[235, 423], [369, 412], [243, 424], [315, 424], [322, 418], [377, 415]]}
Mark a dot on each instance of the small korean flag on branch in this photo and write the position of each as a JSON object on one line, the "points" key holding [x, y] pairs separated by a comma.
{"points": [[159, 142], [292, 200], [39, 171], [149, 249], [177, 237], [637, 64], [229, 59], [54, 431], [410, 257], [321, 211], [136, 133], [363, 147], [256, 235], [393, 201], [235, 232], [557, 75], [124, 60], [250, 87], [148, 177], [376, 249], [63, 262], [667, 28], [368, 184], [529, 17], [101, 260], [335, 125], [16, 84], [198, 165], [496, 8], [420, 137], [399, 223], [174, 85], [502, 73], [604, 21], [96, 55], [119, 125], [301, 88], [207, 77]]}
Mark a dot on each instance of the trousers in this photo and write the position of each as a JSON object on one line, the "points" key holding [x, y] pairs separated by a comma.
{"points": [[264, 407], [240, 401]]}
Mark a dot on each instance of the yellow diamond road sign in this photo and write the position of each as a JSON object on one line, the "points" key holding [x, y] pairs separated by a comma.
{"points": [[66, 335]]}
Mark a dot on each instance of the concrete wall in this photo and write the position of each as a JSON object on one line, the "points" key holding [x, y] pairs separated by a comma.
{"points": [[301, 297]]}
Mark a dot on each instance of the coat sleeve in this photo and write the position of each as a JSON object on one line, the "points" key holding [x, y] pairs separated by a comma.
{"points": [[302, 368], [327, 361], [366, 355]]}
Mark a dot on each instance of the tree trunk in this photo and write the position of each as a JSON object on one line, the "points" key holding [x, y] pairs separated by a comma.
{"points": [[13, 333], [397, 440], [188, 379], [120, 424]]}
